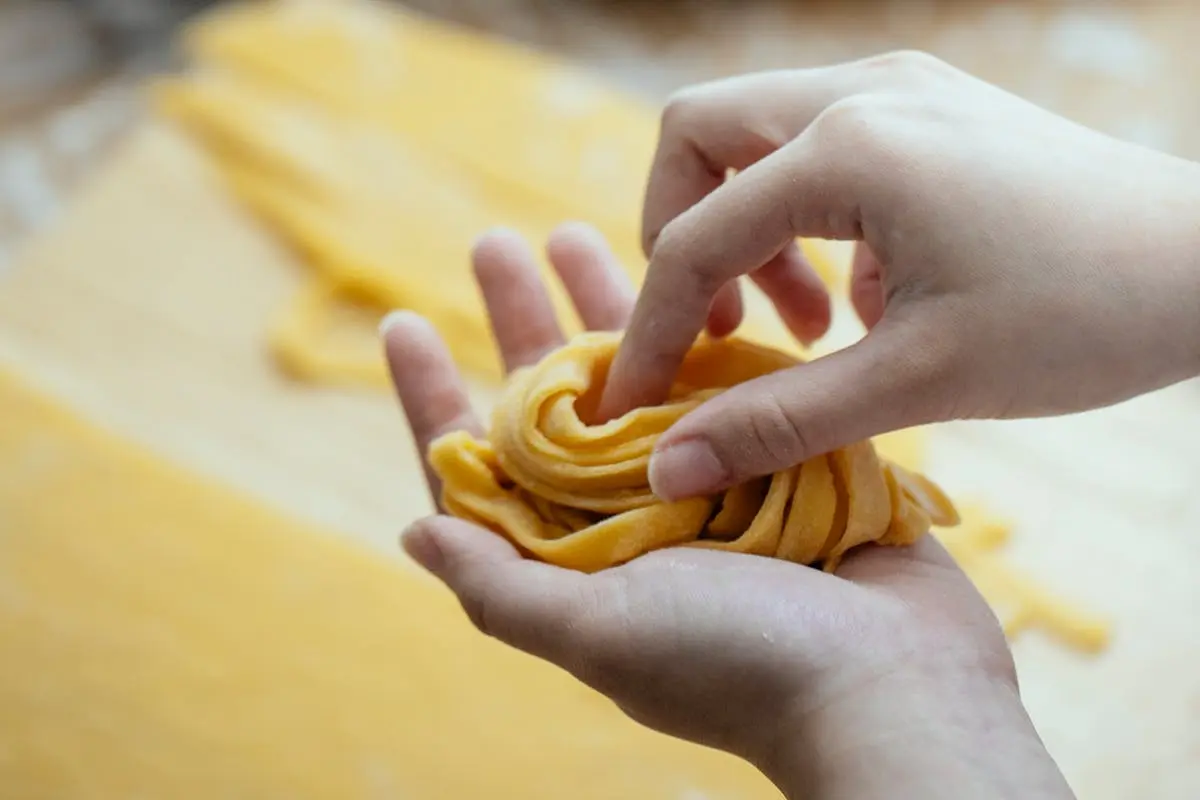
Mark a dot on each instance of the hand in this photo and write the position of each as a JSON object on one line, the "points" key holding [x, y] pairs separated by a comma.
{"points": [[891, 679], [1010, 263]]}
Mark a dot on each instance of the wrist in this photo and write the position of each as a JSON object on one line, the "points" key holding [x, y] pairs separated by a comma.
{"points": [[914, 736]]}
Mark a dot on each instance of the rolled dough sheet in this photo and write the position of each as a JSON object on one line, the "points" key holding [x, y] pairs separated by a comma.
{"points": [[164, 637]]}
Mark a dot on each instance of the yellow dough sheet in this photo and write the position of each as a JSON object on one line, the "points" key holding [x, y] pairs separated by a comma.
{"points": [[577, 495], [380, 144], [163, 637]]}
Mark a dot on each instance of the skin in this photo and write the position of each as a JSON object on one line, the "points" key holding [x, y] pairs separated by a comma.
{"points": [[1010, 263], [891, 679]]}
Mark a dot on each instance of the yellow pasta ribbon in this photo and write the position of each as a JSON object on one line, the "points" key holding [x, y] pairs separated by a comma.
{"points": [[577, 495]]}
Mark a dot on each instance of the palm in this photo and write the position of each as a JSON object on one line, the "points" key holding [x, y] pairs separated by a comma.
{"points": [[697, 643]]}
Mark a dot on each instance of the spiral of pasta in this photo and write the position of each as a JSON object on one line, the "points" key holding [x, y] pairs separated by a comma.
{"points": [[577, 495]]}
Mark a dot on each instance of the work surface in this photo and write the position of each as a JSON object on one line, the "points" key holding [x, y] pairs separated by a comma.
{"points": [[145, 309]]}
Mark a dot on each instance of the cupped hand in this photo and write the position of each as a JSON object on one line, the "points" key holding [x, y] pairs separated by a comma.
{"points": [[895, 659], [1011, 263]]}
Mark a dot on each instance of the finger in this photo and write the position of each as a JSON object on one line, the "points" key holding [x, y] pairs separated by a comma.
{"points": [[866, 286], [794, 288], [733, 231], [730, 124], [601, 291], [722, 228], [797, 292], [526, 604], [430, 388], [522, 316], [891, 379], [726, 312]]}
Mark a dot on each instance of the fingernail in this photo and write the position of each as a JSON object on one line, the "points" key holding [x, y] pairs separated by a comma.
{"points": [[687, 469], [423, 547]]}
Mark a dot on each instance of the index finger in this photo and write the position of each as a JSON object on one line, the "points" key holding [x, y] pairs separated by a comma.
{"points": [[701, 233], [733, 231]]}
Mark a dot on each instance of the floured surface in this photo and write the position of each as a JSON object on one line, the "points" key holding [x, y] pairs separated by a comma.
{"points": [[158, 335]]}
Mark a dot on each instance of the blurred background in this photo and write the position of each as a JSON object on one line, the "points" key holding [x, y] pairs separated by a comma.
{"points": [[124, 308], [1130, 68]]}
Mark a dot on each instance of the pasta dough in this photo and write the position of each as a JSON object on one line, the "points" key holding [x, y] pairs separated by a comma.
{"points": [[577, 495]]}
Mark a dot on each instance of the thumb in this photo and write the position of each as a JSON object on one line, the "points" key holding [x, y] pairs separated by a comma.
{"points": [[527, 604], [890, 379]]}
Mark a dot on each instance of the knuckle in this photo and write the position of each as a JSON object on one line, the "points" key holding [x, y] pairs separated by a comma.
{"points": [[773, 438], [480, 611], [670, 258], [796, 213], [908, 65], [865, 135], [667, 244], [853, 136], [852, 122], [482, 601], [682, 107]]}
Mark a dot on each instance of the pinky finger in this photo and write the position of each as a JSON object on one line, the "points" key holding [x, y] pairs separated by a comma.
{"points": [[431, 392]]}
